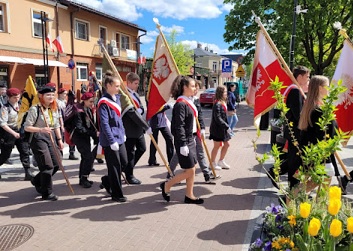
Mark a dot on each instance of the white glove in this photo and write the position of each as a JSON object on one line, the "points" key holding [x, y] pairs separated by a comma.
{"points": [[171, 105], [184, 150], [139, 110], [115, 146], [203, 133], [229, 131], [149, 131]]}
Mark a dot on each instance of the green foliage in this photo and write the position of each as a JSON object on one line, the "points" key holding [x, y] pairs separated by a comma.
{"points": [[317, 43], [182, 54]]}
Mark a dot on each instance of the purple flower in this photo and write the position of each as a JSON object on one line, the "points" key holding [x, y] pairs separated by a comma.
{"points": [[268, 246], [274, 209], [278, 218], [258, 243]]}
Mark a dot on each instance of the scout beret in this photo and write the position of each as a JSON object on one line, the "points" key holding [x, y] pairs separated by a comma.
{"points": [[61, 90], [13, 92], [46, 89], [87, 95]]}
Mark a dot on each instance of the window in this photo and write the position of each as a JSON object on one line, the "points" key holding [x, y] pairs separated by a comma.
{"points": [[2, 17], [81, 30], [214, 66], [3, 75], [117, 39], [82, 71], [40, 76], [125, 42], [99, 71], [37, 24], [103, 34]]}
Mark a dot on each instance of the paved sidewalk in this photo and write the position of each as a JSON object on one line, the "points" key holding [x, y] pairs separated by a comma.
{"points": [[89, 220]]}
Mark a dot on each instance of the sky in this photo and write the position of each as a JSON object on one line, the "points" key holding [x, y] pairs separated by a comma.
{"points": [[196, 21]]}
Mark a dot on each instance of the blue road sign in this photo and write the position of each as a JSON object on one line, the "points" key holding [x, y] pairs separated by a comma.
{"points": [[226, 65]]}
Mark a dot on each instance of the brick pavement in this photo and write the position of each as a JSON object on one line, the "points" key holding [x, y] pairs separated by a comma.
{"points": [[89, 220]]}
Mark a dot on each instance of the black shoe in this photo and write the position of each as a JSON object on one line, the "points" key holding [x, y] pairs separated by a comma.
{"points": [[217, 177], [72, 157], [134, 181], [119, 199], [50, 197], [105, 184], [271, 175], [38, 189], [80, 182], [165, 195], [153, 164], [187, 200], [85, 183], [343, 182], [100, 161]]}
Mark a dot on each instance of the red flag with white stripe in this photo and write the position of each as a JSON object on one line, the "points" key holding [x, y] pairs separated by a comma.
{"points": [[344, 103], [164, 71], [265, 69], [59, 45], [48, 40]]}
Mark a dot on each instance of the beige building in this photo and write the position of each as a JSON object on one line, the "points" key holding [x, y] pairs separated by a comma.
{"points": [[24, 25]]}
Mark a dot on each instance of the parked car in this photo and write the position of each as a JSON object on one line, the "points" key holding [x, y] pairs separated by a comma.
{"points": [[208, 96]]}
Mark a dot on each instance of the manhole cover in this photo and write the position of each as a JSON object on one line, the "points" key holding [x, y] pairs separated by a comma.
{"points": [[11, 236]]}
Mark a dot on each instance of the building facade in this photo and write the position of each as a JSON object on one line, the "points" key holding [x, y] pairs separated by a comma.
{"points": [[26, 25]]}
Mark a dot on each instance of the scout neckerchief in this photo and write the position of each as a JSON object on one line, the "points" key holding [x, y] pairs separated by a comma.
{"points": [[189, 103], [135, 98], [15, 109]]}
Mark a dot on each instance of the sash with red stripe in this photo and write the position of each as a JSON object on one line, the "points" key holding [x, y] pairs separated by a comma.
{"points": [[194, 110], [114, 106], [134, 98]]}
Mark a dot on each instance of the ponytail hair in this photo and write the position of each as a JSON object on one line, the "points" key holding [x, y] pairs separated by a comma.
{"points": [[109, 78]]}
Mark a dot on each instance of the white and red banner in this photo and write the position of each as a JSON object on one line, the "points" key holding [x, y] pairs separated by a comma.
{"points": [[265, 69], [48, 40], [344, 104], [164, 71], [59, 45]]}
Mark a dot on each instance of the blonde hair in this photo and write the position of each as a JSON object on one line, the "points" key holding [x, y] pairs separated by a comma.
{"points": [[311, 103]]}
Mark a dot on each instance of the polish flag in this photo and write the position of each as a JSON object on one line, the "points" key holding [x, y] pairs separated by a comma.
{"points": [[164, 71], [265, 69], [345, 100], [48, 40], [59, 45]]}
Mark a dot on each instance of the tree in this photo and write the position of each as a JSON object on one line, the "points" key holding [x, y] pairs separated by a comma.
{"points": [[317, 43], [182, 54]]}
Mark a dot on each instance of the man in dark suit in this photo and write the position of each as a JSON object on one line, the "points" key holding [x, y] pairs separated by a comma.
{"points": [[135, 127]]}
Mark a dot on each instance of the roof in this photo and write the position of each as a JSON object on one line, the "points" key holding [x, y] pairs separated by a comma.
{"points": [[201, 52], [100, 13]]}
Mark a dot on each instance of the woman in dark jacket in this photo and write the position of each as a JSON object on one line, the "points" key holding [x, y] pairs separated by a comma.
{"points": [[219, 129], [231, 107], [85, 128]]}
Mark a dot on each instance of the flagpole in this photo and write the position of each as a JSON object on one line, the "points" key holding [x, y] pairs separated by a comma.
{"points": [[274, 48]]}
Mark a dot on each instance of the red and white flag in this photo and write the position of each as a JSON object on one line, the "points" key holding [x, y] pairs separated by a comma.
{"points": [[59, 45], [265, 69], [164, 71], [48, 40], [344, 103]]}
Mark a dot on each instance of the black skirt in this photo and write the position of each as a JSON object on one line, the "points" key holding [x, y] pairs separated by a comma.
{"points": [[189, 161]]}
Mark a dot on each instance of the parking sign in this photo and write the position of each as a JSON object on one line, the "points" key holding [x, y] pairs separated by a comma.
{"points": [[226, 65]]}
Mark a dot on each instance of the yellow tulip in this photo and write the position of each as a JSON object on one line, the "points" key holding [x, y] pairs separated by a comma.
{"points": [[305, 210], [292, 220], [334, 193], [350, 224], [314, 226], [335, 228], [334, 206]]}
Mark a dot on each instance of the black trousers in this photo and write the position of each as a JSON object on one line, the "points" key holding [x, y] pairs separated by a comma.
{"points": [[169, 144], [116, 161], [83, 144], [293, 161], [135, 148], [46, 155], [8, 141]]}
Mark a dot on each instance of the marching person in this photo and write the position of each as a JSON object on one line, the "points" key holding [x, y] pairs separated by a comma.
{"points": [[231, 107], [85, 128], [10, 134], [220, 132], [43, 122], [112, 136], [184, 128], [62, 102], [201, 159], [159, 123], [135, 127]]}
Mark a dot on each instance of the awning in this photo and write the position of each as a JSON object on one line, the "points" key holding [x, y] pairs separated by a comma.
{"points": [[33, 61], [13, 60]]}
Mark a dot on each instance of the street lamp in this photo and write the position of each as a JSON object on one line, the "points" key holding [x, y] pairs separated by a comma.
{"points": [[297, 11], [44, 20]]}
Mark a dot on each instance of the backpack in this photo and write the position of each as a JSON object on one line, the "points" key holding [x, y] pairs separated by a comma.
{"points": [[27, 136]]}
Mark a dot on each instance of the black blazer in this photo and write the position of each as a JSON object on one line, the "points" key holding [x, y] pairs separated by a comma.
{"points": [[295, 103], [182, 124], [219, 123], [199, 110], [81, 125]]}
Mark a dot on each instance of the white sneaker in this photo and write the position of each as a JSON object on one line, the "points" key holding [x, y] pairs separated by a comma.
{"points": [[216, 167], [223, 164]]}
